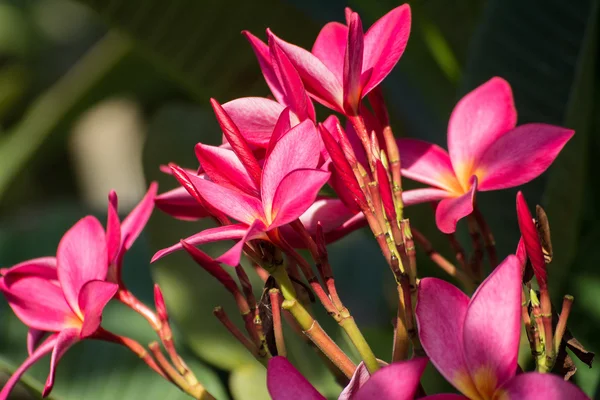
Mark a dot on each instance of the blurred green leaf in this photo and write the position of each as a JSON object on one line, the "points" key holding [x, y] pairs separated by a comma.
{"points": [[243, 383]]}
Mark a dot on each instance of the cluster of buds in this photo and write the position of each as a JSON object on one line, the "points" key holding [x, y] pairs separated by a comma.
{"points": [[263, 188]]}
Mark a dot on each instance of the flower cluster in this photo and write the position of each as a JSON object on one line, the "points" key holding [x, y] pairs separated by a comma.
{"points": [[263, 187]]}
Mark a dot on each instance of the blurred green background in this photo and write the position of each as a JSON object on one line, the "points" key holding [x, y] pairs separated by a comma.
{"points": [[96, 94]]}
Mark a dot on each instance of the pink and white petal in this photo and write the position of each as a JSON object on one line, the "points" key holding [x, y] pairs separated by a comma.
{"points": [[385, 42], [318, 80], [261, 50], [297, 149], [296, 193], [284, 382], [255, 117], [521, 155], [43, 267], [359, 378], [492, 327], [64, 341], [94, 296], [441, 310], [37, 302], [81, 257], [227, 232], [135, 222], [34, 357], [536, 386], [330, 47], [353, 64], [418, 196], [450, 211], [232, 256], [427, 163], [479, 119], [113, 228], [224, 168], [34, 337], [234, 203], [179, 204], [398, 380]]}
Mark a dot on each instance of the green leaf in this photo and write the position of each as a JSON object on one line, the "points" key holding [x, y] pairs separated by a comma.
{"points": [[248, 383]]}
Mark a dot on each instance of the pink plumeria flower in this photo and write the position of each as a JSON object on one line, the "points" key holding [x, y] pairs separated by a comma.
{"points": [[486, 152], [474, 343], [256, 116], [397, 381], [531, 246], [287, 186], [62, 296], [345, 64]]}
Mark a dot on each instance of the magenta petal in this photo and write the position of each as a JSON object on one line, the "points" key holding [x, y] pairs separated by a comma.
{"points": [[261, 50], [40, 352], [64, 341], [297, 149], [226, 232], [236, 204], [427, 163], [492, 325], [385, 42], [479, 119], [43, 267], [521, 155], [450, 211], [93, 297], [232, 256], [531, 241], [441, 311], [34, 337], [359, 378], [134, 223], [536, 386], [319, 81], [297, 191], [255, 116], [330, 47], [81, 257], [396, 381], [446, 396], [113, 228], [37, 302], [286, 383], [179, 204], [224, 168], [418, 196], [353, 62], [282, 126]]}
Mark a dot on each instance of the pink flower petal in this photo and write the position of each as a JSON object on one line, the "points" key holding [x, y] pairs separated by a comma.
{"points": [[450, 211], [93, 297], [135, 222], [64, 341], [492, 327], [224, 168], [34, 337], [282, 126], [359, 378], [330, 47], [295, 194], [441, 311], [427, 163], [446, 396], [297, 149], [479, 119], [219, 233], [42, 267], [356, 222], [40, 352], [286, 383], [521, 155], [179, 204], [255, 116], [531, 240], [418, 196], [234, 203], [318, 81], [113, 228], [385, 42], [232, 256], [37, 302], [536, 386], [397, 381], [261, 50], [353, 63], [81, 257]]}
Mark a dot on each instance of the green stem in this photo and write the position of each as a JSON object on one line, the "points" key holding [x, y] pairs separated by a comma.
{"points": [[357, 338], [44, 115]]}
